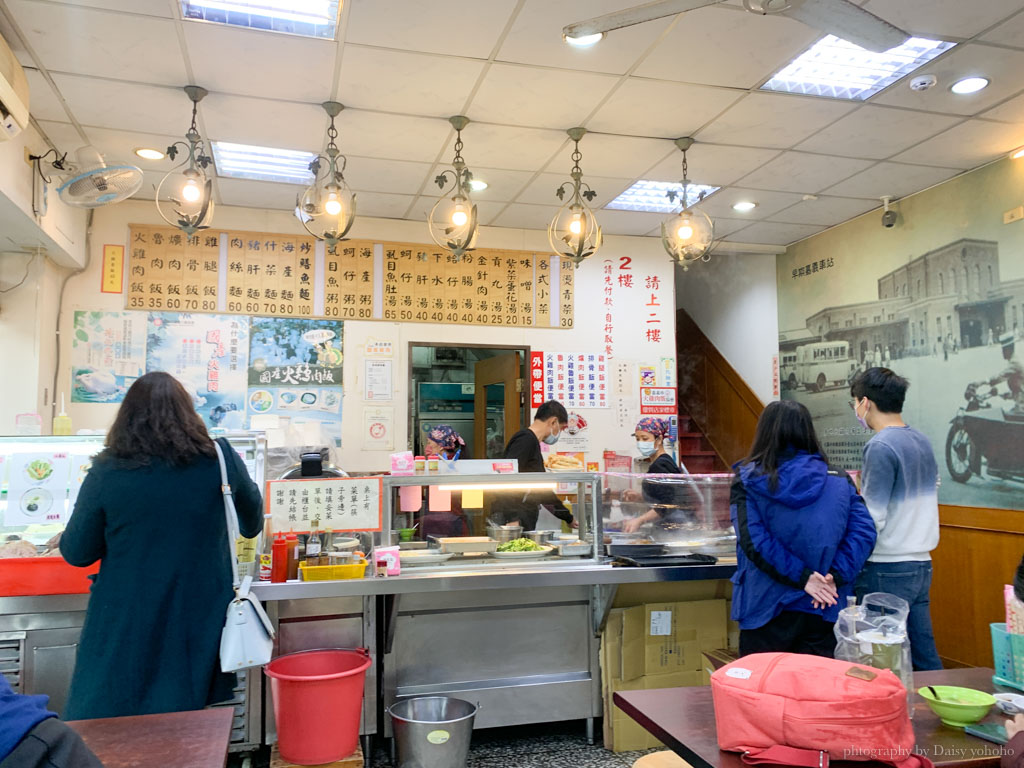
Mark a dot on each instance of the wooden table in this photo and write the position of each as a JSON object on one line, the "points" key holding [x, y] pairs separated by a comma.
{"points": [[179, 739], [684, 720]]}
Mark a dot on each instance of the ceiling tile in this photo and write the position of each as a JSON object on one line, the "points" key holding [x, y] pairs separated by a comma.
{"points": [[520, 216], [801, 172], [768, 203], [43, 102], [384, 205], [877, 132], [395, 137], [366, 174], [150, 181], [159, 8], [64, 136], [125, 106], [89, 42], [545, 98], [121, 146], [617, 157], [967, 145], [1000, 65], [825, 211], [642, 107], [726, 227], [614, 222], [722, 46], [399, 81], [1011, 111], [485, 211], [257, 194], [502, 186], [943, 18], [894, 179], [536, 37], [770, 233], [713, 164], [1010, 32], [509, 147], [440, 26], [262, 122], [773, 120], [264, 64], [542, 189]]}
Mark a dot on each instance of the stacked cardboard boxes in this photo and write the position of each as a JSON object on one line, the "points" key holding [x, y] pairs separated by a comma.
{"points": [[658, 645]]}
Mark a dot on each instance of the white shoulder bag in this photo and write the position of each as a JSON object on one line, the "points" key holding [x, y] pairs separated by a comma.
{"points": [[248, 636]]}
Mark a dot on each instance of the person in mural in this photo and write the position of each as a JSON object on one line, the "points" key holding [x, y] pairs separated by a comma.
{"points": [[445, 442], [673, 504], [327, 355], [803, 535], [899, 480], [1012, 374]]}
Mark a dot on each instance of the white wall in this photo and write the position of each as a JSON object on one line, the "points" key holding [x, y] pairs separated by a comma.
{"points": [[734, 300], [110, 226]]}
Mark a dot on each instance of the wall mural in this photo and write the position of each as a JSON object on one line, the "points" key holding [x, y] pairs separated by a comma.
{"points": [[939, 298]]}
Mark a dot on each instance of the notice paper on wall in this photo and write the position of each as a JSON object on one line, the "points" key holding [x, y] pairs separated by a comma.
{"points": [[377, 380], [108, 352], [576, 380], [378, 428], [340, 503]]}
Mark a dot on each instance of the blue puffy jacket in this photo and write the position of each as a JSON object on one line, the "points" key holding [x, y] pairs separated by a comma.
{"points": [[814, 521]]}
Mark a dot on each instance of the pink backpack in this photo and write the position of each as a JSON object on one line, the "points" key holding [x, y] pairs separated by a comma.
{"points": [[794, 709]]}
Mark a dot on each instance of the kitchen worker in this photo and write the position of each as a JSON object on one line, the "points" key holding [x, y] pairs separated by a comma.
{"points": [[443, 441], [672, 503], [524, 446], [447, 444]]}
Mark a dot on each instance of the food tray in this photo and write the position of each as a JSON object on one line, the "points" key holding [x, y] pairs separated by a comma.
{"points": [[575, 548], [332, 572], [405, 546], [636, 550], [423, 557], [460, 544]]}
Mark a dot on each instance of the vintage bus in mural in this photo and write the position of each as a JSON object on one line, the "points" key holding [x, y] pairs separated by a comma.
{"points": [[787, 370], [824, 365]]}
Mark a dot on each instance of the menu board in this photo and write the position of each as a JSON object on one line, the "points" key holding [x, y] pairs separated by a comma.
{"points": [[339, 503], [576, 380], [270, 275]]}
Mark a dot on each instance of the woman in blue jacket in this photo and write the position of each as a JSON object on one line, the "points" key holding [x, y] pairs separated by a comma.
{"points": [[803, 534]]}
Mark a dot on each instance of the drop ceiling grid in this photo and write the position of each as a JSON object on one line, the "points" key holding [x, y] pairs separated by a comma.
{"points": [[143, 116]]}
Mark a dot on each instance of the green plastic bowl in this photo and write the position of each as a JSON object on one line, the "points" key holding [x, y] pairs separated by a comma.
{"points": [[958, 707]]}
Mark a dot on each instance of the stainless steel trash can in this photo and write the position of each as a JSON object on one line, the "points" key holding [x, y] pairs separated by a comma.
{"points": [[432, 731]]}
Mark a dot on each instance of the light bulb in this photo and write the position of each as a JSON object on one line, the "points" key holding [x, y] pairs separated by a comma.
{"points": [[576, 225], [333, 204], [685, 232], [585, 41], [191, 191], [459, 216]]}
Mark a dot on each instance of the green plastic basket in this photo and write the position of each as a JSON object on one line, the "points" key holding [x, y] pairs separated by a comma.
{"points": [[1008, 655]]}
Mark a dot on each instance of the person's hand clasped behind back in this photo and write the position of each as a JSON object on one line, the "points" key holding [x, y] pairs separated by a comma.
{"points": [[822, 590]]}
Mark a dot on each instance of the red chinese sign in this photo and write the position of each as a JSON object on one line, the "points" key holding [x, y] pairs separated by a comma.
{"points": [[658, 401], [536, 379]]}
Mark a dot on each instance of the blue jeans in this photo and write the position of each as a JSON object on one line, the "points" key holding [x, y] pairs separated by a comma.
{"points": [[912, 581]]}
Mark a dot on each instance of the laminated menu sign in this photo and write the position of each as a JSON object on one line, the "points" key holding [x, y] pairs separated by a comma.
{"points": [[340, 503], [270, 275], [168, 269], [37, 488], [576, 380], [655, 401], [348, 281]]}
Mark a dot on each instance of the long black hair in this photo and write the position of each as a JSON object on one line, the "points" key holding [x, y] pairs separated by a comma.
{"points": [[157, 420], [785, 428]]}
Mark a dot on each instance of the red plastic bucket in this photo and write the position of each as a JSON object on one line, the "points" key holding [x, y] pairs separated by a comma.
{"points": [[318, 697]]}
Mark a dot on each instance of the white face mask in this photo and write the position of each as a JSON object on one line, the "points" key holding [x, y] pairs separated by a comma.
{"points": [[646, 447]]}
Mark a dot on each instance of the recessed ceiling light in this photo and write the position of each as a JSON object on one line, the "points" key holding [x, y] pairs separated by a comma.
{"points": [[1018, 154], [969, 85], [837, 69], [241, 161], [584, 42], [310, 18], [650, 196], [478, 185], [149, 154], [744, 205]]}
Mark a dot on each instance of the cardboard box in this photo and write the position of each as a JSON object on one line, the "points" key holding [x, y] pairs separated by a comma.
{"points": [[661, 638], [732, 627]]}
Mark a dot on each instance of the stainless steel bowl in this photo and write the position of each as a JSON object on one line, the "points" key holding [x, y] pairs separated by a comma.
{"points": [[541, 537], [505, 533]]}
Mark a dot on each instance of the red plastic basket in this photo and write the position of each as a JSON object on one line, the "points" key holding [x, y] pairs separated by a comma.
{"points": [[21, 576]]}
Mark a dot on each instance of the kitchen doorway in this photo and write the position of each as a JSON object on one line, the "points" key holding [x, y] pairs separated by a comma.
{"points": [[443, 383]]}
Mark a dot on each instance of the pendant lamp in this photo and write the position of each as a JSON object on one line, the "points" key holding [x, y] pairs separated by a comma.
{"points": [[188, 204], [689, 234], [327, 207], [574, 232], [453, 219]]}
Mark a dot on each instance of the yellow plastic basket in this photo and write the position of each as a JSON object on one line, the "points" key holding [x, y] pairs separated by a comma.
{"points": [[332, 572]]}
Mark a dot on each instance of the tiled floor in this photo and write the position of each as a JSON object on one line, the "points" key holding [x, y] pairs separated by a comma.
{"points": [[558, 745]]}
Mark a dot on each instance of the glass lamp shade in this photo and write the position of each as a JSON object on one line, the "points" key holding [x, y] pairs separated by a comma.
{"points": [[574, 232], [687, 236], [327, 211], [453, 224], [184, 199]]}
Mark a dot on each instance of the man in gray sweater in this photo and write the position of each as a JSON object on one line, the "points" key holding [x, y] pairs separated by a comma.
{"points": [[899, 482]]}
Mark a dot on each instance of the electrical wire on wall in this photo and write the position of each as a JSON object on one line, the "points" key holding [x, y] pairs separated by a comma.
{"points": [[28, 267], [60, 307]]}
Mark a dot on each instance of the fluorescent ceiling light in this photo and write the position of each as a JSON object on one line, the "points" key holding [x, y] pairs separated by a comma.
{"points": [[149, 154], [478, 185], [241, 161], [584, 42], [969, 85], [837, 69], [311, 18], [743, 206], [1018, 154], [650, 196]]}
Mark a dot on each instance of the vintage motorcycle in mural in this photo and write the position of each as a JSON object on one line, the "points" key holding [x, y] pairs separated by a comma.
{"points": [[986, 430]]}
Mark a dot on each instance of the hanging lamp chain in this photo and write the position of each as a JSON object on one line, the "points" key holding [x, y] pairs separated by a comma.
{"points": [[577, 172], [332, 134]]}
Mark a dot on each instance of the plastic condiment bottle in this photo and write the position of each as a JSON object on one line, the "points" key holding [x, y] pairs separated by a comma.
{"points": [[291, 541], [62, 422], [313, 545], [431, 464], [279, 555], [419, 464]]}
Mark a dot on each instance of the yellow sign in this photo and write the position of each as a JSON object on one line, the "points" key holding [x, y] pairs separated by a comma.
{"points": [[112, 280]]}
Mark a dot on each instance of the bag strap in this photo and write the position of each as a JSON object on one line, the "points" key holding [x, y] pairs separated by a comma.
{"points": [[812, 758], [231, 517]]}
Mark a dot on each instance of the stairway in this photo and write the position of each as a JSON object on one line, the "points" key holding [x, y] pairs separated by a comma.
{"points": [[694, 450]]}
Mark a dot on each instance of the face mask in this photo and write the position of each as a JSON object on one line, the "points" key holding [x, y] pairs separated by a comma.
{"points": [[552, 439], [861, 419], [646, 447]]}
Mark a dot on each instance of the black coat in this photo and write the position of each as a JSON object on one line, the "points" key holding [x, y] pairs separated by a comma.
{"points": [[151, 638], [524, 447]]}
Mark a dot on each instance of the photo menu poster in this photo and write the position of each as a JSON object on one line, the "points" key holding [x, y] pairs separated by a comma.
{"points": [[108, 352]]}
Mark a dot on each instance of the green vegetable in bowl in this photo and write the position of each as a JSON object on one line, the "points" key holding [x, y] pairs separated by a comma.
{"points": [[521, 545]]}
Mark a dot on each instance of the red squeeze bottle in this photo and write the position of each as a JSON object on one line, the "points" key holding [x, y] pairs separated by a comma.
{"points": [[291, 541], [279, 559]]}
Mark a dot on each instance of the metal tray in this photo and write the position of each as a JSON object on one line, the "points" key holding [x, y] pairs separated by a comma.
{"points": [[467, 544]]}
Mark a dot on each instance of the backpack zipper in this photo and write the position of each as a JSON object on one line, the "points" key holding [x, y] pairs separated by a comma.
{"points": [[767, 670], [894, 715]]}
